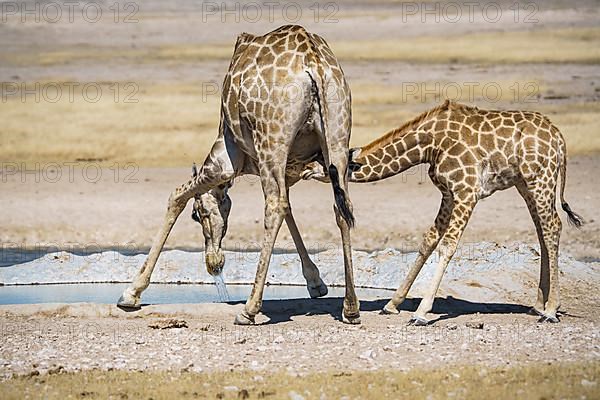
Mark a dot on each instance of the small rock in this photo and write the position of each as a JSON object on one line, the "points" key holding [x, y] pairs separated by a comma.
{"points": [[231, 388], [295, 396], [56, 370], [366, 355], [586, 383]]}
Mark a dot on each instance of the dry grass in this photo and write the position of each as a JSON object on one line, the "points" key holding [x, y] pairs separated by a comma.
{"points": [[522, 88], [577, 45], [172, 125], [535, 381], [540, 46], [579, 124]]}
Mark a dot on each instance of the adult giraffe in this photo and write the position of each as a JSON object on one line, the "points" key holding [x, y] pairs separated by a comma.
{"points": [[275, 119], [473, 153]]}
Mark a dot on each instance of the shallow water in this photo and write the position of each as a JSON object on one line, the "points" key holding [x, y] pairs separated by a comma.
{"points": [[222, 289], [108, 293]]}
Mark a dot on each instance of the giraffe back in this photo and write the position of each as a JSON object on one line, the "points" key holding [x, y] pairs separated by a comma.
{"points": [[269, 90], [492, 149]]}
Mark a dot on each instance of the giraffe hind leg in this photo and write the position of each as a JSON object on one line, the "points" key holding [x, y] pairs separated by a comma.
{"points": [[276, 207], [543, 198], [315, 285], [544, 283]]}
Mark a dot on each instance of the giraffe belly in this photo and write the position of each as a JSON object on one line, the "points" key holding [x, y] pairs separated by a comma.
{"points": [[306, 149]]}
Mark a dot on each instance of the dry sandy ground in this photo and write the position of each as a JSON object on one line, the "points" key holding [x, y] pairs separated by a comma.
{"points": [[125, 214], [295, 335]]}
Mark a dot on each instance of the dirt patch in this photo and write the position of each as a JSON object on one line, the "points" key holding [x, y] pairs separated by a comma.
{"points": [[292, 334], [169, 324]]}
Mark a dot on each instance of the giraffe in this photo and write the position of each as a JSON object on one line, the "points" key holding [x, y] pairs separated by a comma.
{"points": [[275, 119], [473, 153]]}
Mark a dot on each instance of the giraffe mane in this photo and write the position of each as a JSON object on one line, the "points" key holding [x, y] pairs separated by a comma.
{"points": [[394, 134]]}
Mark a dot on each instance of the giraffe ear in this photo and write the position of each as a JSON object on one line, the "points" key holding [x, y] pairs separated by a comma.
{"points": [[194, 170], [354, 153]]}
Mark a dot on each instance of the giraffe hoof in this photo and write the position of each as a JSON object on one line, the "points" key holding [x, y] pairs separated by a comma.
{"points": [[319, 290], [548, 318], [128, 301], [244, 319], [535, 311], [351, 319], [390, 308], [418, 321]]}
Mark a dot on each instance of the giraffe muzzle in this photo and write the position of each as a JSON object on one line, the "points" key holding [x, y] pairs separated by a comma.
{"points": [[215, 260]]}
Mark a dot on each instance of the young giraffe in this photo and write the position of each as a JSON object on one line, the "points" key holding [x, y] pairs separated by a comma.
{"points": [[275, 119], [472, 153]]}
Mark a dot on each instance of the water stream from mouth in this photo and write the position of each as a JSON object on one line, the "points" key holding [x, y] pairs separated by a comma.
{"points": [[221, 289]]}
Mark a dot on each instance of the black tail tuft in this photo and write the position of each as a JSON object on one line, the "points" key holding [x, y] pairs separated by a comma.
{"points": [[340, 196], [574, 218]]}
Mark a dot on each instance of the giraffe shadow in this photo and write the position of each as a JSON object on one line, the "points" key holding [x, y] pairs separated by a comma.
{"points": [[279, 311]]}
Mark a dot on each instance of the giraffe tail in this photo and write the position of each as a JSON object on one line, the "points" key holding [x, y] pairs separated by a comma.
{"points": [[574, 218], [340, 196]]}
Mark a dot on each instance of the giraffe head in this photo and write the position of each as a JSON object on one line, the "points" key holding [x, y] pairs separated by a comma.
{"points": [[211, 210], [315, 170]]}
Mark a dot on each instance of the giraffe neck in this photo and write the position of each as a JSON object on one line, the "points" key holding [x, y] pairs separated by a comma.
{"points": [[409, 145], [373, 164]]}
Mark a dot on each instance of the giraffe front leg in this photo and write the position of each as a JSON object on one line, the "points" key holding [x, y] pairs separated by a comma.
{"points": [[130, 299], [219, 167], [315, 285]]}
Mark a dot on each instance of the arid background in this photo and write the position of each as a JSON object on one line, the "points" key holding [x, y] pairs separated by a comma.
{"points": [[100, 120]]}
